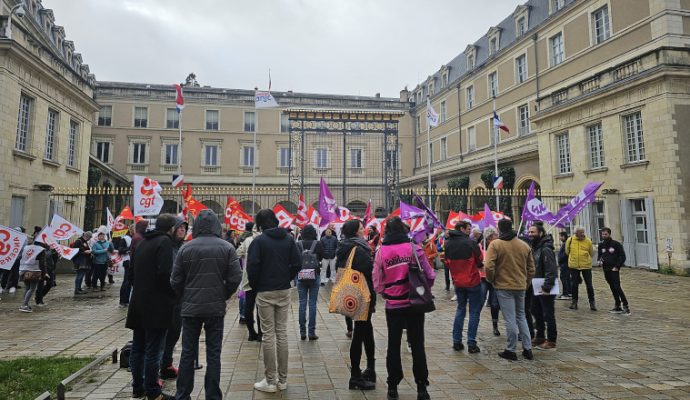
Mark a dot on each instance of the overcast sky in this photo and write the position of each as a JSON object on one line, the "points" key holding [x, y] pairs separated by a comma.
{"points": [[357, 47]]}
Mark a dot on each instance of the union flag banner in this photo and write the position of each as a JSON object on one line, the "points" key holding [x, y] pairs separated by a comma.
{"points": [[147, 198], [11, 243], [238, 220], [285, 219]]}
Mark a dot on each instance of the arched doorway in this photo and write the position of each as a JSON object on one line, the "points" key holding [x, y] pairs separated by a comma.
{"points": [[357, 208], [214, 206], [289, 206], [247, 207], [381, 212]]}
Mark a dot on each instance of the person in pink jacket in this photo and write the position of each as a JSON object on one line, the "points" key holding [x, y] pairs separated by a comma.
{"points": [[390, 278]]}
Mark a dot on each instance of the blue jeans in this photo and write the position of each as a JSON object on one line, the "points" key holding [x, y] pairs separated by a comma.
{"points": [[472, 295], [488, 289], [145, 359], [241, 302], [79, 279], [308, 292], [513, 306], [191, 329], [565, 279]]}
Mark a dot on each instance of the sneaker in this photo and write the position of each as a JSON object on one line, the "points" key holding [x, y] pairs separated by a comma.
{"points": [[25, 309], [473, 348], [282, 385], [41, 304], [592, 306], [13, 289], [138, 394], [313, 337], [626, 310], [537, 341], [616, 310], [361, 384], [528, 354], [508, 355], [349, 334], [573, 306], [264, 386], [547, 346], [458, 346], [454, 298], [169, 372], [242, 321]]}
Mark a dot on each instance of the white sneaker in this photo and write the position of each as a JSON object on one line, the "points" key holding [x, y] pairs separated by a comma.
{"points": [[25, 309], [41, 305], [454, 298], [264, 386], [13, 289], [282, 385]]}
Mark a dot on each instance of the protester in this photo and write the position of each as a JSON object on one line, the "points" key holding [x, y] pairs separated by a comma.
{"points": [[82, 261], [446, 271], [151, 307], [249, 294], [31, 271], [308, 290], [206, 274], [564, 271], [373, 237], [48, 282], [464, 259], [330, 244], [100, 252], [241, 294], [123, 250], [353, 232], [9, 280], [509, 267], [612, 259], [579, 250], [490, 234], [390, 278], [272, 263], [543, 304], [168, 370]]}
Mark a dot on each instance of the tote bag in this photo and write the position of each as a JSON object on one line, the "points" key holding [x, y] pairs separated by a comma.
{"points": [[350, 296]]}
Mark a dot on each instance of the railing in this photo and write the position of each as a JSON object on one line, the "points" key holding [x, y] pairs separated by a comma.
{"points": [[211, 170]]}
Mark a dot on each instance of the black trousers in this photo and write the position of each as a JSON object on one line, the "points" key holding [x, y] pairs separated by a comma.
{"points": [[576, 277], [544, 314], [446, 276], [613, 278], [397, 320], [249, 312], [44, 287], [529, 299], [363, 335], [171, 337]]}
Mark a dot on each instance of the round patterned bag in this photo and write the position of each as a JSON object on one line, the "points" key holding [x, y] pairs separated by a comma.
{"points": [[350, 296]]}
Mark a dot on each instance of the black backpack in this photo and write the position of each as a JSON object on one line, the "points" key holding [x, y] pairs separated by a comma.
{"points": [[310, 263]]}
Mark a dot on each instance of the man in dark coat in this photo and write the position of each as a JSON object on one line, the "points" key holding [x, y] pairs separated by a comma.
{"points": [[612, 259], [151, 306], [206, 273], [546, 268]]}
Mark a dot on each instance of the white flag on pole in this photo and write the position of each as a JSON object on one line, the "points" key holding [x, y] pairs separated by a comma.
{"points": [[431, 114], [264, 100], [147, 198], [110, 220], [11, 243], [62, 229]]}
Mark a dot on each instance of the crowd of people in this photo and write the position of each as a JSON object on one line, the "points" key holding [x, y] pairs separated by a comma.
{"points": [[171, 287]]}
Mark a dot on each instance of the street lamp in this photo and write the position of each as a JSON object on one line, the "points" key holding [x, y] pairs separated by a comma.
{"points": [[19, 10]]}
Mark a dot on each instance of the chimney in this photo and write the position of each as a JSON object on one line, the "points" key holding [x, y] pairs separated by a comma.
{"points": [[377, 95], [404, 95]]}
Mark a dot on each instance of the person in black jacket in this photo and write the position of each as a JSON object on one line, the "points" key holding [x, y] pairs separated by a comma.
{"points": [[353, 233], [543, 305], [564, 270], [612, 259], [330, 244], [82, 262], [206, 273], [309, 290], [273, 261], [151, 307]]}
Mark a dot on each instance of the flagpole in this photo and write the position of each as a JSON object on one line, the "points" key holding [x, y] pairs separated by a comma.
{"points": [[179, 150], [429, 155], [495, 132], [256, 119]]}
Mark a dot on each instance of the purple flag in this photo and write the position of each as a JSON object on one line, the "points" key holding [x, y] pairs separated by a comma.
{"points": [[328, 209], [409, 212], [431, 221], [569, 211], [535, 210], [488, 219]]}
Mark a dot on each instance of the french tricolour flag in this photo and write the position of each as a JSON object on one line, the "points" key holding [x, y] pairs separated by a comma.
{"points": [[500, 125], [498, 182], [179, 101], [178, 180]]}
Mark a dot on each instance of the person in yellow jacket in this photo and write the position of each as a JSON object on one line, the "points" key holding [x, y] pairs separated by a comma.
{"points": [[579, 250]]}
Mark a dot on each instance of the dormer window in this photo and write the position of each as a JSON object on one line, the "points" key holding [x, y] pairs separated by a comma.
{"points": [[444, 79], [556, 5], [430, 88], [471, 56], [521, 15], [493, 47], [494, 36]]}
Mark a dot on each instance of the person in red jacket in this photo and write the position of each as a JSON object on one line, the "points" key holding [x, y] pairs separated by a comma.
{"points": [[464, 260]]}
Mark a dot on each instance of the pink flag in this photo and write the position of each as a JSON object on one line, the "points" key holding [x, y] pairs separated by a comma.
{"points": [[410, 212], [488, 219], [367, 213], [328, 208]]}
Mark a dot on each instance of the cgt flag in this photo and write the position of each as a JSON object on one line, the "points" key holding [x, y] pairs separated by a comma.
{"points": [[238, 220], [302, 217], [147, 198], [11, 243], [285, 219]]}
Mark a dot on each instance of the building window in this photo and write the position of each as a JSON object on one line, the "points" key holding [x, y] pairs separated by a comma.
{"points": [[211, 155], [284, 123], [139, 153], [105, 116], [355, 158], [556, 5], [493, 46], [247, 156], [211, 120], [418, 159], [596, 146], [430, 89], [103, 151], [141, 117], [521, 26], [556, 43], [521, 68], [600, 25], [419, 125], [171, 154], [23, 123], [493, 84], [523, 113], [172, 118], [249, 121], [392, 159], [470, 61], [598, 219], [563, 149], [17, 211], [634, 137], [419, 97], [443, 114], [469, 94], [444, 79], [51, 134], [471, 139], [284, 161], [321, 158], [444, 148], [72, 143]]}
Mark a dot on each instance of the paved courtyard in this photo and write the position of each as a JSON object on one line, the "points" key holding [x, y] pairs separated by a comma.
{"points": [[600, 355]]}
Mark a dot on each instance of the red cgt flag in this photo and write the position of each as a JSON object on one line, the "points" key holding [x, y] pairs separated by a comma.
{"points": [[126, 214]]}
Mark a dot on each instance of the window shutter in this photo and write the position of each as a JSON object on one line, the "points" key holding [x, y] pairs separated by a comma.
{"points": [[651, 225], [627, 235]]}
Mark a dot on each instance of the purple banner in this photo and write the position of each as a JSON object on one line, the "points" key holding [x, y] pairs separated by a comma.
{"points": [[409, 212], [535, 210], [568, 212], [328, 209]]}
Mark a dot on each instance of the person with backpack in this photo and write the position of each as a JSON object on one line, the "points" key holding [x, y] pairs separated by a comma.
{"points": [[308, 280]]}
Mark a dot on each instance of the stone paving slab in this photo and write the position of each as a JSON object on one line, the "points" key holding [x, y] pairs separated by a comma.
{"points": [[600, 355]]}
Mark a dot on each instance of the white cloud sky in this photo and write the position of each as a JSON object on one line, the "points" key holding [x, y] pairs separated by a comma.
{"points": [[358, 47]]}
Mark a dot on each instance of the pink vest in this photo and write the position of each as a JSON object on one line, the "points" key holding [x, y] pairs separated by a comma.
{"points": [[394, 260]]}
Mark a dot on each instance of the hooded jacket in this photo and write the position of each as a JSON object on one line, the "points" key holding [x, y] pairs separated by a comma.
{"points": [[308, 239], [509, 263], [139, 230], [273, 260], [362, 262], [611, 254], [207, 270], [545, 261], [464, 258], [330, 245]]}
